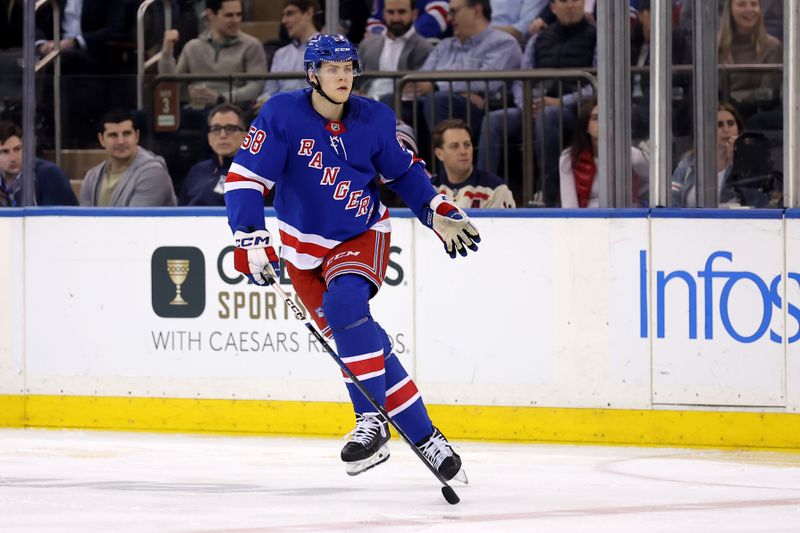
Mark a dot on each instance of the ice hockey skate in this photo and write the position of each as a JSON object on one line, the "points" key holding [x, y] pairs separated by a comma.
{"points": [[439, 452], [366, 446]]}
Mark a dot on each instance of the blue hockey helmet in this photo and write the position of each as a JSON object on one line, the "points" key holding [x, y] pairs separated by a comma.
{"points": [[330, 48]]}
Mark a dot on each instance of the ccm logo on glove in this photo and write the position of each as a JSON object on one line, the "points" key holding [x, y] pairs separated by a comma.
{"points": [[255, 241]]}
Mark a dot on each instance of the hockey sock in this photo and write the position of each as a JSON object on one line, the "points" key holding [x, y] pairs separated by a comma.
{"points": [[346, 308], [403, 401]]}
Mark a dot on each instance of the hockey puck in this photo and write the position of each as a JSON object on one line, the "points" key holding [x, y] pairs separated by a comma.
{"points": [[450, 495]]}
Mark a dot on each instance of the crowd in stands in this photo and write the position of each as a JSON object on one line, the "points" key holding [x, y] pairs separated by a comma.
{"points": [[469, 133]]}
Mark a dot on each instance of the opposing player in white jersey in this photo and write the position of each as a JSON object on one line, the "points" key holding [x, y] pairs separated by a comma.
{"points": [[320, 149]]}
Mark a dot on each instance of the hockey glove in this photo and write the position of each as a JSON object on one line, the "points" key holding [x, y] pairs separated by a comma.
{"points": [[255, 257], [452, 225]]}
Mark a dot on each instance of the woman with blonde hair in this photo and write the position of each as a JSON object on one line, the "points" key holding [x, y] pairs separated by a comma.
{"points": [[743, 39]]}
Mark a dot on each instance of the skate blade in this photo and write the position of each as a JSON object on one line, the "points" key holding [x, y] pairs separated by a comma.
{"points": [[461, 477], [356, 467]]}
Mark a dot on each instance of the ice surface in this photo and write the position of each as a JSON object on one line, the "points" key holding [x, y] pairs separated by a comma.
{"points": [[80, 481]]}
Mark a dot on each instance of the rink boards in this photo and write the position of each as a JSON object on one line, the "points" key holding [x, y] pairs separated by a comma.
{"points": [[623, 326]]}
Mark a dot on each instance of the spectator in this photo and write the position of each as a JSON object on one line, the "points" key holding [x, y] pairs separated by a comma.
{"points": [[743, 38], [475, 45], [771, 9], [131, 176], [430, 24], [684, 179], [546, 16], [204, 185], [640, 91], [569, 42], [399, 48], [222, 49], [516, 16], [51, 185], [458, 178], [88, 27], [579, 176], [299, 19]]}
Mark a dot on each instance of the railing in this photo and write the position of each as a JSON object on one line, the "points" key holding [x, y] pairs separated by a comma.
{"points": [[54, 55], [527, 78], [141, 64], [480, 81], [405, 77]]}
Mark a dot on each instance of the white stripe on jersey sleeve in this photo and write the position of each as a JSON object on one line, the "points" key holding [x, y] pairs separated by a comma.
{"points": [[239, 185], [236, 168]]}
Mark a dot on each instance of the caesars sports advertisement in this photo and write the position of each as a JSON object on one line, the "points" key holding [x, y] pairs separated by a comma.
{"points": [[162, 309]]}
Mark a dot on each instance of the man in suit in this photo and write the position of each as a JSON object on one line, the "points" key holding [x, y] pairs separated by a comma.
{"points": [[400, 48], [87, 28]]}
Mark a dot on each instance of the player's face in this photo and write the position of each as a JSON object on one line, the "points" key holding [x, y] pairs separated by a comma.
{"points": [[119, 139], [398, 15], [225, 133], [567, 12], [11, 156], [456, 151], [228, 19], [296, 22], [746, 14], [336, 80]]}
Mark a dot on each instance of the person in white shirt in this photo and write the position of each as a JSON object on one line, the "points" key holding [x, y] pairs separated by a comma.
{"points": [[400, 48], [299, 19], [579, 168]]}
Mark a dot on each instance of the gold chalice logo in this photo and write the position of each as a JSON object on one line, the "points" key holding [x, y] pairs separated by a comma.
{"points": [[178, 269]]}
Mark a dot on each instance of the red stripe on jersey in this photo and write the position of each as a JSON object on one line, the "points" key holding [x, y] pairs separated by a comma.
{"points": [[367, 366], [233, 177], [308, 248], [401, 396]]}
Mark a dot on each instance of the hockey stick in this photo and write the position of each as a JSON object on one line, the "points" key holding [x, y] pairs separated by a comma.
{"points": [[447, 491]]}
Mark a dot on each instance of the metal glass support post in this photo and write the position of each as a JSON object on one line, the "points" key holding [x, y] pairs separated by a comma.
{"points": [[332, 16], [528, 160], [705, 101], [28, 102], [791, 104], [141, 64], [661, 104], [54, 57], [614, 73]]}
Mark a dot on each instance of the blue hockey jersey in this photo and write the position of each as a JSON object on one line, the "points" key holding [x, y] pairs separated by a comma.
{"points": [[324, 174]]}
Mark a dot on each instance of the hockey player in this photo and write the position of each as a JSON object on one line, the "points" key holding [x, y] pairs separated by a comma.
{"points": [[320, 148]]}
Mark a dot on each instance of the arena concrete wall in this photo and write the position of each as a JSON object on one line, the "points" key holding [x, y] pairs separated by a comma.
{"points": [[615, 326]]}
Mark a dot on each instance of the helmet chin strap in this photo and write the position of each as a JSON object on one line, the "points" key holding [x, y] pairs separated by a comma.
{"points": [[318, 87]]}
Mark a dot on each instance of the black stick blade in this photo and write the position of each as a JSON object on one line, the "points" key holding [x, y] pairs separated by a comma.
{"points": [[450, 495]]}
